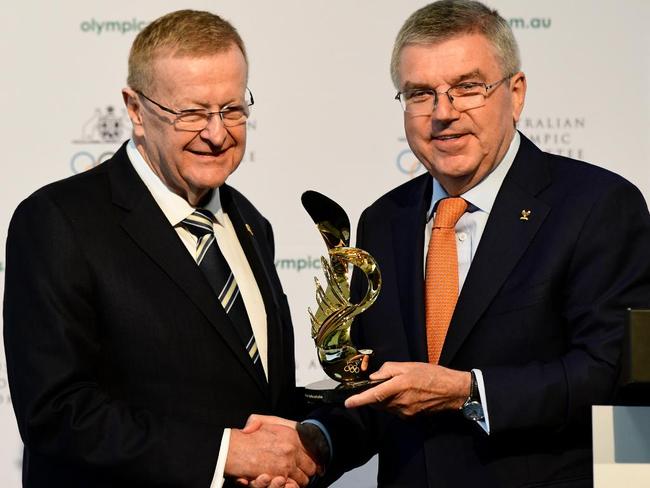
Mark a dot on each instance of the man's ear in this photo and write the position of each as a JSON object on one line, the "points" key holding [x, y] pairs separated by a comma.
{"points": [[134, 109], [518, 93], [133, 106]]}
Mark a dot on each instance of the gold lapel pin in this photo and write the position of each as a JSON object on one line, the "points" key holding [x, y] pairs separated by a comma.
{"points": [[250, 231], [524, 215]]}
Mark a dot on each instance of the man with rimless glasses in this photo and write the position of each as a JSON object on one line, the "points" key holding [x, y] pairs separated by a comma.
{"points": [[506, 275], [144, 319]]}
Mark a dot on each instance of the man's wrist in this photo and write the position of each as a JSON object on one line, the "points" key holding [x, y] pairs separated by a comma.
{"points": [[472, 408], [316, 440], [463, 389]]}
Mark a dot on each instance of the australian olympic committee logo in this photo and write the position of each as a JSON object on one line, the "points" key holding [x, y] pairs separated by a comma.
{"points": [[104, 127], [564, 135]]}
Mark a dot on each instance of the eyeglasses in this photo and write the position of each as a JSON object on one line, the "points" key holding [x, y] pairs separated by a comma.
{"points": [[464, 96], [198, 119]]}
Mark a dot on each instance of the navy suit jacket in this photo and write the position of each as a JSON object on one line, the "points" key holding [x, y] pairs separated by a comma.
{"points": [[123, 367], [540, 313]]}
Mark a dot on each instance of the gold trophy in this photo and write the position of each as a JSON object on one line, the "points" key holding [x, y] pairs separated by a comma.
{"points": [[346, 365]]}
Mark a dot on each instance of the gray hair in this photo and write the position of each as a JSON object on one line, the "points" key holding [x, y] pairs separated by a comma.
{"points": [[180, 33], [445, 19]]}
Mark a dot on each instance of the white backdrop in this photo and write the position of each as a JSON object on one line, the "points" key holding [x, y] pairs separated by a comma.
{"points": [[324, 116]]}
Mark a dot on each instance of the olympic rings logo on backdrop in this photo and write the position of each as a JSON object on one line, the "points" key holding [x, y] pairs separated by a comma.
{"points": [[407, 163], [83, 160]]}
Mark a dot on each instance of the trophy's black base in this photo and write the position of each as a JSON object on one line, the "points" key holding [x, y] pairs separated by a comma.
{"points": [[332, 392]]}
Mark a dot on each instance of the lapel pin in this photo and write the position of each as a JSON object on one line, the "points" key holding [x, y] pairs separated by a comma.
{"points": [[250, 231], [524, 215]]}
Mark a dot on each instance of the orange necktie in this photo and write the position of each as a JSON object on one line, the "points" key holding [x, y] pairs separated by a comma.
{"points": [[441, 277]]}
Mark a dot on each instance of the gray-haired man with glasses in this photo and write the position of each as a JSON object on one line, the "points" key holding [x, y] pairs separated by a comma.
{"points": [[506, 272], [144, 319]]}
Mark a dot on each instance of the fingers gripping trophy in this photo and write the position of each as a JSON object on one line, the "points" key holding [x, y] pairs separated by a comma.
{"points": [[346, 365]]}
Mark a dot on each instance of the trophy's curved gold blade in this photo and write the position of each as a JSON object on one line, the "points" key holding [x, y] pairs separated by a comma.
{"points": [[331, 322], [330, 218]]}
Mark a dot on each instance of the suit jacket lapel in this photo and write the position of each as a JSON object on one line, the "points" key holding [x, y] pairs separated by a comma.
{"points": [[145, 222], [505, 239], [408, 225], [259, 264]]}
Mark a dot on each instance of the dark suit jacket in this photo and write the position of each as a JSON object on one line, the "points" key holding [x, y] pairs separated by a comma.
{"points": [[123, 367], [540, 313]]}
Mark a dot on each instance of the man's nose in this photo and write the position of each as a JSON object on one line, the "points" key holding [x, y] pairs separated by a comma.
{"points": [[444, 109], [215, 131]]}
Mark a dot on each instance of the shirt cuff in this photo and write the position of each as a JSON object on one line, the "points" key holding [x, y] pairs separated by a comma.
{"points": [[218, 479], [485, 423]]}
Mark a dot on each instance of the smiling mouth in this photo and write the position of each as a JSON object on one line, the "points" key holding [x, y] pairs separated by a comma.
{"points": [[207, 153], [448, 137]]}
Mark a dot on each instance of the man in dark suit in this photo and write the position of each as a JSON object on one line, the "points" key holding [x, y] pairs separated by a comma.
{"points": [[129, 363], [506, 275]]}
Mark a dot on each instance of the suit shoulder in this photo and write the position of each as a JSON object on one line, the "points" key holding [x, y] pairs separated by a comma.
{"points": [[561, 178], [407, 194], [586, 178], [72, 191], [568, 167]]}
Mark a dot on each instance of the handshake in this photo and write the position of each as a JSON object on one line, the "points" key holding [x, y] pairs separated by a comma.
{"points": [[275, 452]]}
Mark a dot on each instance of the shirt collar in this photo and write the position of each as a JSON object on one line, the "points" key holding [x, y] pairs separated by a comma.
{"points": [[481, 197], [175, 207]]}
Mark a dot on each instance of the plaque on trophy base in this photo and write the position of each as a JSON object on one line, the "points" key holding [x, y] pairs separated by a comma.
{"points": [[331, 391]]}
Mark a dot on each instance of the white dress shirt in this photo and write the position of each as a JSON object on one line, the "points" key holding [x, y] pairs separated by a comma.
{"points": [[469, 230], [176, 209]]}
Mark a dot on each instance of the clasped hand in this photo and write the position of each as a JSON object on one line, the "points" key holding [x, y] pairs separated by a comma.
{"points": [[269, 452]]}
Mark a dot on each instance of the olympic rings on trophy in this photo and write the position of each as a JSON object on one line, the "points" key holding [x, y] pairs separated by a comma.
{"points": [[352, 367]]}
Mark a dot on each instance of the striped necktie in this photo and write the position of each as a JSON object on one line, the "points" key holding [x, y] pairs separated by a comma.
{"points": [[441, 276], [221, 279]]}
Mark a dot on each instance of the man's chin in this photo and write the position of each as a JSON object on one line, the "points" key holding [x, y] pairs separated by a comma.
{"points": [[456, 166], [211, 180]]}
